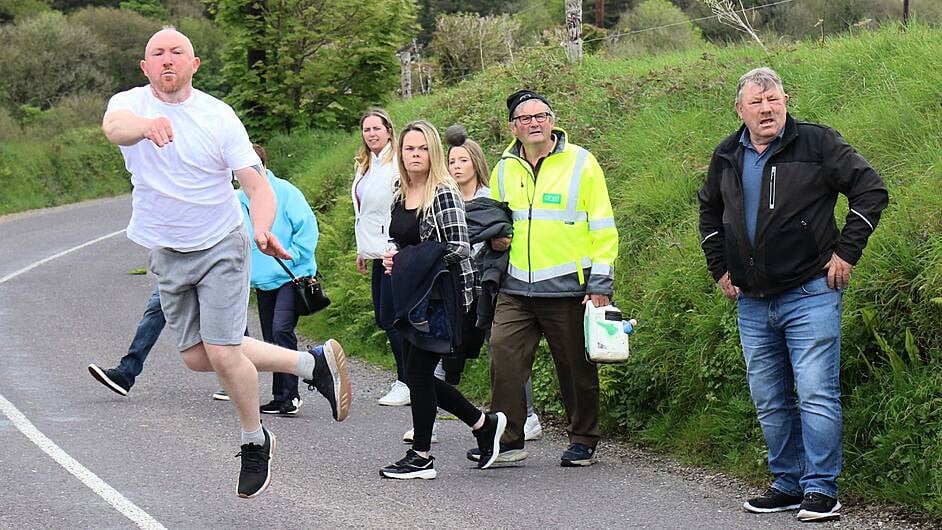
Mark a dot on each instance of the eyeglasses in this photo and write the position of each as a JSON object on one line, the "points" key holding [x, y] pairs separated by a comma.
{"points": [[525, 119]]}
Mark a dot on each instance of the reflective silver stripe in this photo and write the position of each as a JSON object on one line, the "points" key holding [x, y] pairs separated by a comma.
{"points": [[864, 218], [547, 273], [708, 237], [500, 179], [598, 224], [574, 184], [549, 215], [602, 269]]}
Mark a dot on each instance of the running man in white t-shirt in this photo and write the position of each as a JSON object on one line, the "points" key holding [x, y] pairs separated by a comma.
{"points": [[181, 147]]}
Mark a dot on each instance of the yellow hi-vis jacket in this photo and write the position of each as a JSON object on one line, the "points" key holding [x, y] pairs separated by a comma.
{"points": [[564, 241]]}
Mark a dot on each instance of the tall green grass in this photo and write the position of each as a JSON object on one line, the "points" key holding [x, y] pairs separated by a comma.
{"points": [[653, 123]]}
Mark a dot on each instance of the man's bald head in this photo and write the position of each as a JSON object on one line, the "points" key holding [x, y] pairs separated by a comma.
{"points": [[167, 35]]}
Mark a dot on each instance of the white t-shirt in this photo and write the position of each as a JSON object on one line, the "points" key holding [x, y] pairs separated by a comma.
{"points": [[183, 197]]}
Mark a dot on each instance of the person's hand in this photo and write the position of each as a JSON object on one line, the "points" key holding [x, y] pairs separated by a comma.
{"points": [[388, 260], [598, 300], [838, 272], [500, 244], [159, 131], [361, 265], [726, 285], [269, 244]]}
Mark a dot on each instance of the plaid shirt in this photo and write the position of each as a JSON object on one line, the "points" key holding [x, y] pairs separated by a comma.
{"points": [[447, 225]]}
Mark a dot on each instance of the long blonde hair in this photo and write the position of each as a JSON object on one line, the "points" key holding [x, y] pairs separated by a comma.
{"points": [[364, 158], [438, 170], [457, 136]]}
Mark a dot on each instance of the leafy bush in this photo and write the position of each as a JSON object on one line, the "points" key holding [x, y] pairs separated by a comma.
{"points": [[639, 39], [124, 33], [466, 43], [45, 58]]}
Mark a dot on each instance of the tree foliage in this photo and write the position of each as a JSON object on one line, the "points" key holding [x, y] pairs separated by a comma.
{"points": [[313, 63], [633, 37], [45, 58], [124, 33], [466, 43]]}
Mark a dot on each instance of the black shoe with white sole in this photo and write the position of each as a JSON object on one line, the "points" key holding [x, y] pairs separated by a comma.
{"points": [[578, 455], [255, 474], [282, 408], [819, 507], [508, 453], [111, 378], [332, 378], [772, 501], [412, 466], [488, 437]]}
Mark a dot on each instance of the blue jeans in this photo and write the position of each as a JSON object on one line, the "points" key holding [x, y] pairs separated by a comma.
{"points": [[385, 314], [792, 342], [148, 330]]}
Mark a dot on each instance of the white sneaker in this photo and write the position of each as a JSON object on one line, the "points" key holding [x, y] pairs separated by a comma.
{"points": [[532, 430], [409, 435], [398, 395]]}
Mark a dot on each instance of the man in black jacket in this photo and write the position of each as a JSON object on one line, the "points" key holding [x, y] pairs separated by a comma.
{"points": [[771, 243]]}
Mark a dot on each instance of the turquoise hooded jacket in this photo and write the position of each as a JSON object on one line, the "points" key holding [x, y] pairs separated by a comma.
{"points": [[295, 227]]}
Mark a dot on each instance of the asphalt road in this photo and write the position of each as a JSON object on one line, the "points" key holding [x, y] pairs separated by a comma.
{"points": [[165, 455]]}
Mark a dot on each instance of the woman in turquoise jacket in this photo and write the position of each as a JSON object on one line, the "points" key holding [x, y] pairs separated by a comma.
{"points": [[296, 227]]}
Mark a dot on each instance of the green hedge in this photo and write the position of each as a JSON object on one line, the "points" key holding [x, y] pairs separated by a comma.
{"points": [[652, 124]]}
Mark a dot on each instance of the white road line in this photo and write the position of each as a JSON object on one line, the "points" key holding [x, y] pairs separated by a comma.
{"points": [[100, 487], [55, 256]]}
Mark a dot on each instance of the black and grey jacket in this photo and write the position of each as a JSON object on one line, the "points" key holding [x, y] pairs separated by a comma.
{"points": [[795, 230]]}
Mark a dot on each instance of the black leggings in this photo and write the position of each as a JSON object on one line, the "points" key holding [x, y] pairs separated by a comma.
{"points": [[427, 393]]}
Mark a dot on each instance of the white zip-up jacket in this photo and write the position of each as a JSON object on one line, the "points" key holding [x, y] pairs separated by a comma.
{"points": [[372, 194]]}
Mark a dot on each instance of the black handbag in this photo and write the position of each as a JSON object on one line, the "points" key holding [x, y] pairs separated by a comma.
{"points": [[309, 293]]}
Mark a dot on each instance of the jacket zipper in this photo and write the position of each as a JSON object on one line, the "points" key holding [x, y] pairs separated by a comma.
{"points": [[772, 190]]}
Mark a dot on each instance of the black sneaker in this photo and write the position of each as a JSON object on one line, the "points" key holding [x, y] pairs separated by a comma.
{"points": [[507, 454], [256, 466], [771, 501], [412, 466], [282, 408], [332, 377], [819, 507], [111, 378], [488, 437], [578, 455], [221, 395]]}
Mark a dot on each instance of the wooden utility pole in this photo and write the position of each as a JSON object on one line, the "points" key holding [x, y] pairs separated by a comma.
{"points": [[573, 43], [405, 78], [905, 12], [600, 13]]}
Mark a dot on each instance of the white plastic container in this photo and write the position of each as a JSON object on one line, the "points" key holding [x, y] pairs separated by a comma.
{"points": [[606, 334]]}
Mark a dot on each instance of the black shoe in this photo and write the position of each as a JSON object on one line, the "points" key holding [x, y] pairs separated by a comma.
{"points": [[578, 455], [256, 466], [221, 395], [819, 507], [412, 466], [282, 408], [111, 378], [771, 501], [488, 437], [332, 377], [508, 453]]}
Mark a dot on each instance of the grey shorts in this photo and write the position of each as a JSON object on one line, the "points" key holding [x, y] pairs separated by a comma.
{"points": [[204, 294]]}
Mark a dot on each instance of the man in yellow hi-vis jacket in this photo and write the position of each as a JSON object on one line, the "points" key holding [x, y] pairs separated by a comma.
{"points": [[562, 251]]}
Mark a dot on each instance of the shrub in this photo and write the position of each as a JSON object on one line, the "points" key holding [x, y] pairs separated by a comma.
{"points": [[45, 58], [125, 34], [466, 43], [639, 40]]}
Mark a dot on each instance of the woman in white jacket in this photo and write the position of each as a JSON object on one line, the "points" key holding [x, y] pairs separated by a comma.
{"points": [[377, 170]]}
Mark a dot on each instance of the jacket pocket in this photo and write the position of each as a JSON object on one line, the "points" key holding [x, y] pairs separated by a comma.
{"points": [[791, 251], [732, 252]]}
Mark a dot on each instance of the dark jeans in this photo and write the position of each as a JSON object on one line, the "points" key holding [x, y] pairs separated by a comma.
{"points": [[385, 315], [148, 329], [278, 320], [427, 393]]}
